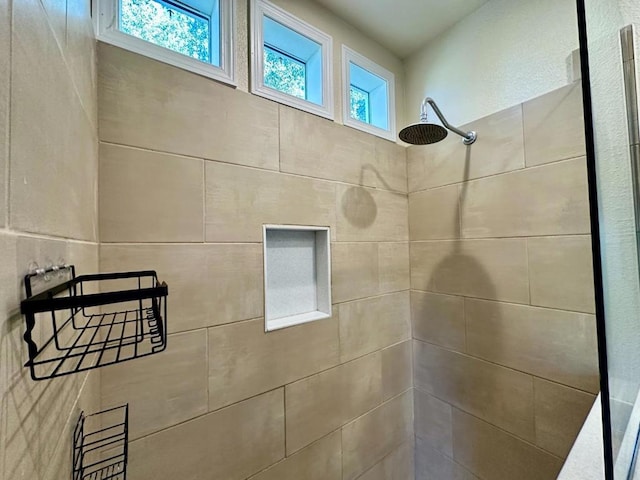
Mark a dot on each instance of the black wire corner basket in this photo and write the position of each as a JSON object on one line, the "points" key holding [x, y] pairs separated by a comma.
{"points": [[100, 445], [91, 321]]}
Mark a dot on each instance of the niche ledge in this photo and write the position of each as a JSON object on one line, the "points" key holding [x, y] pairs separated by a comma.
{"points": [[297, 275]]}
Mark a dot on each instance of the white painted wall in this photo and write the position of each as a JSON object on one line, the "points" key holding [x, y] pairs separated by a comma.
{"points": [[506, 52]]}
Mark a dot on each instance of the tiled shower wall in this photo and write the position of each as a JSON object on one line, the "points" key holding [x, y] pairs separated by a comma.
{"points": [[505, 365], [190, 170], [48, 213]]}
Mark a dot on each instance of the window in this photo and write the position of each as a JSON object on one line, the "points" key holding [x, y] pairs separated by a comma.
{"points": [[192, 34], [291, 60], [369, 95]]}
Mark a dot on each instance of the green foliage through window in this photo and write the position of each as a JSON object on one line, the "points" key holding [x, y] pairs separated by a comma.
{"points": [[359, 104], [167, 26], [284, 73]]}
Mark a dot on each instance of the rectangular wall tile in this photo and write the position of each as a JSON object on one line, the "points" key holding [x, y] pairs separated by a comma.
{"points": [[560, 414], [493, 269], [369, 438], [398, 465], [393, 267], [53, 145], [233, 443], [368, 215], [490, 452], [433, 422], [354, 271], [552, 344], [499, 148], [561, 273], [5, 63], [499, 395], [397, 371], [207, 120], [162, 390], [432, 465], [546, 200], [434, 214], [554, 126], [240, 200], [374, 323], [319, 461], [208, 284], [319, 404], [438, 319], [170, 211], [245, 361], [316, 147]]}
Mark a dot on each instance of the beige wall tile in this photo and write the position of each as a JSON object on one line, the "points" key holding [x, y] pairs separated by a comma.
{"points": [[240, 200], [355, 271], [208, 120], [5, 62], [397, 371], [390, 166], [18, 393], [554, 126], [494, 269], [229, 290], [546, 200], [320, 461], [369, 438], [433, 422], [492, 453], [81, 55], [552, 344], [438, 319], [398, 465], [393, 265], [372, 324], [434, 214], [432, 465], [324, 402], [233, 443], [560, 414], [245, 361], [561, 273], [499, 148], [498, 395], [365, 214], [53, 145], [171, 211], [316, 147], [161, 390]]}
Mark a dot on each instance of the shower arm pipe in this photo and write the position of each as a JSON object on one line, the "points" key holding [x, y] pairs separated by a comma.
{"points": [[468, 137]]}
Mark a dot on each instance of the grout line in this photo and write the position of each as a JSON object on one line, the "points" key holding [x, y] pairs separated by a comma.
{"points": [[258, 169], [508, 172], [505, 302], [490, 362], [522, 237], [257, 242]]}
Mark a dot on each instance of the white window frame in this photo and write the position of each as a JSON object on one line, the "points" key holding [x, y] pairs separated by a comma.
{"points": [[106, 25], [262, 8], [351, 56]]}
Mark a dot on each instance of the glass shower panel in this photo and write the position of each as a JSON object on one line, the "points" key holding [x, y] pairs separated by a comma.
{"points": [[613, 69]]}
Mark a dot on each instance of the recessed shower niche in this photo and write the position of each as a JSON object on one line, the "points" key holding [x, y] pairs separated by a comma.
{"points": [[297, 275]]}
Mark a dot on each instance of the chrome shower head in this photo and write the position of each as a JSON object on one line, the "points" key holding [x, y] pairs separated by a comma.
{"points": [[425, 133]]}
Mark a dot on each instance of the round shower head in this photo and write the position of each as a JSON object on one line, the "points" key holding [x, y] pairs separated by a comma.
{"points": [[423, 133]]}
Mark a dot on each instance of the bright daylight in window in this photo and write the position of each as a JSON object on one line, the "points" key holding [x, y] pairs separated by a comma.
{"points": [[369, 102], [291, 60], [173, 25]]}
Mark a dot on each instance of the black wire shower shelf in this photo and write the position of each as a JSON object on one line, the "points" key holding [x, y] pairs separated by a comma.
{"points": [[70, 330], [100, 445]]}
